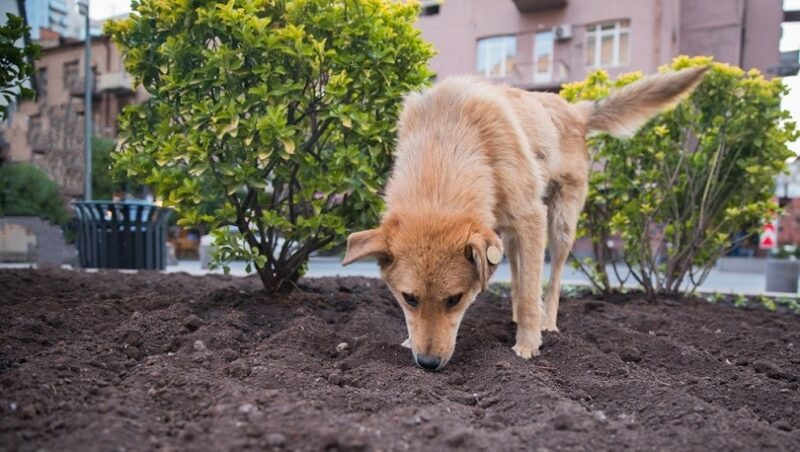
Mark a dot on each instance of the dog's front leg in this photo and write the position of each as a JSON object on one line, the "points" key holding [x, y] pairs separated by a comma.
{"points": [[526, 281]]}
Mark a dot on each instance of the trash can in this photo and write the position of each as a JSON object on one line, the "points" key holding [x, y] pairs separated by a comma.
{"points": [[782, 275], [122, 235]]}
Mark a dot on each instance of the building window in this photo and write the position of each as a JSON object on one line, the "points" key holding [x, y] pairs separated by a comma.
{"points": [[608, 44], [35, 134], [496, 56], [41, 84], [543, 57], [430, 8], [71, 75]]}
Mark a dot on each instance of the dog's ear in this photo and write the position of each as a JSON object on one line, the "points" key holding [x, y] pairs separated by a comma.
{"points": [[485, 251], [369, 243]]}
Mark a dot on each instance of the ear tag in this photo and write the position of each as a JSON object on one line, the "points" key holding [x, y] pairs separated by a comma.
{"points": [[494, 255]]}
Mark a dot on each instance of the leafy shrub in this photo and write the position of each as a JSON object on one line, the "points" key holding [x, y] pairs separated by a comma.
{"points": [[105, 183], [103, 186], [688, 181], [14, 62], [283, 111], [25, 190]]}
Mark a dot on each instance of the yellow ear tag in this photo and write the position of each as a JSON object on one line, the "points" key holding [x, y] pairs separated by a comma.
{"points": [[494, 255]]}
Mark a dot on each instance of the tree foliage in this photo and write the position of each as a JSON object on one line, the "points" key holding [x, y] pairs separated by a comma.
{"points": [[25, 190], [691, 179], [103, 186], [15, 67], [284, 111], [105, 181]]}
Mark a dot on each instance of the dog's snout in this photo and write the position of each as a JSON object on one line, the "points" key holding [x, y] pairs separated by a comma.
{"points": [[428, 362]]}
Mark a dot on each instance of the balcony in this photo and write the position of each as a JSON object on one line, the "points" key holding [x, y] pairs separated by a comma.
{"points": [[115, 82], [527, 6], [58, 5], [77, 87], [788, 65]]}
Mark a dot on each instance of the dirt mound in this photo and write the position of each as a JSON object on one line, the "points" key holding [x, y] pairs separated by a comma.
{"points": [[143, 361]]}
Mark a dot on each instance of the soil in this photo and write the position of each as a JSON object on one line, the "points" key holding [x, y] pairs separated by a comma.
{"points": [[114, 361]]}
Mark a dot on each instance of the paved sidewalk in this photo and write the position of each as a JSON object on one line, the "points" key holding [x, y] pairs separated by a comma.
{"points": [[717, 281]]}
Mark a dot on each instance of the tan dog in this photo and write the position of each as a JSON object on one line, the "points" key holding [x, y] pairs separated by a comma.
{"points": [[476, 162]]}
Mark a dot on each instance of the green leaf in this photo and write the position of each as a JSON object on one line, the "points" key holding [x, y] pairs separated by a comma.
{"points": [[288, 144]]}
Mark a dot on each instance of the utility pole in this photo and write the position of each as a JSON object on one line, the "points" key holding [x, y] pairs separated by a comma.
{"points": [[83, 7]]}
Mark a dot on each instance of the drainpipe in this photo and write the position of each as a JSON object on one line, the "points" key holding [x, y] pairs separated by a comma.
{"points": [[744, 32]]}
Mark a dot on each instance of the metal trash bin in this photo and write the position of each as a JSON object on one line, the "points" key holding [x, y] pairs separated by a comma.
{"points": [[782, 275], [122, 235]]}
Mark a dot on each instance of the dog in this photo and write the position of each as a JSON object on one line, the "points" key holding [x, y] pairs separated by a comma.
{"points": [[481, 168]]}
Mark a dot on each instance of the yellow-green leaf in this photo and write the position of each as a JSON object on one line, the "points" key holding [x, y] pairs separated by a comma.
{"points": [[288, 144]]}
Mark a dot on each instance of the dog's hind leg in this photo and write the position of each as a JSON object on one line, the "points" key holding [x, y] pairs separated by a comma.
{"points": [[510, 244], [526, 285], [563, 211]]}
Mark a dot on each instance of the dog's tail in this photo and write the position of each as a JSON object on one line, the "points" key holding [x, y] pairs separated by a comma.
{"points": [[624, 111]]}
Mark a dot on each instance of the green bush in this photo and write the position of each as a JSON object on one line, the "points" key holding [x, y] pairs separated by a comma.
{"points": [[105, 181], [283, 111], [103, 185], [15, 67], [25, 190], [689, 180]]}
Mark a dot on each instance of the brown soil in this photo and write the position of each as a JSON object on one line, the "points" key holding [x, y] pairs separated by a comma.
{"points": [[114, 361]]}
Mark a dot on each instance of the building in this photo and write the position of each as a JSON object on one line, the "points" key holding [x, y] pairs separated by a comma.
{"points": [[50, 131], [540, 44], [61, 16]]}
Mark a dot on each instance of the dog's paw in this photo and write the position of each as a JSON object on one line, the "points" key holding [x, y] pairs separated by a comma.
{"points": [[528, 343], [525, 352], [407, 343]]}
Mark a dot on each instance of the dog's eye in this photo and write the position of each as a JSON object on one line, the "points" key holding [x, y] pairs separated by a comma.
{"points": [[410, 299], [453, 300]]}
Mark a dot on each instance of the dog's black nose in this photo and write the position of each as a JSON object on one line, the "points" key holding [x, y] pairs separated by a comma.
{"points": [[428, 362]]}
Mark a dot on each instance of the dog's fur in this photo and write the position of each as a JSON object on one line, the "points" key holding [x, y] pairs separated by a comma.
{"points": [[480, 165]]}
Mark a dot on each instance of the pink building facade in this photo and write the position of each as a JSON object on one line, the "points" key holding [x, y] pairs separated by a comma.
{"points": [[540, 44]]}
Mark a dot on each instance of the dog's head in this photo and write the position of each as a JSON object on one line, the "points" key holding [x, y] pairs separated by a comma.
{"points": [[434, 267]]}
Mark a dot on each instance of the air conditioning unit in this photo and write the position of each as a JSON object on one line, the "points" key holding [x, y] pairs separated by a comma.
{"points": [[562, 32]]}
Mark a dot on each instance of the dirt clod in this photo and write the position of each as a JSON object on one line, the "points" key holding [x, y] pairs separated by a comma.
{"points": [[192, 322], [630, 355], [459, 438], [148, 361], [771, 369], [275, 440]]}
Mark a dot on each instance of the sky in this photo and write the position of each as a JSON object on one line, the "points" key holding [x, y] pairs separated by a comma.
{"points": [[101, 9]]}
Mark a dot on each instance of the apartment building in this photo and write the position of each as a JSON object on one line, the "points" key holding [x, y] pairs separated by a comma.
{"points": [[60, 16], [540, 44], [50, 132]]}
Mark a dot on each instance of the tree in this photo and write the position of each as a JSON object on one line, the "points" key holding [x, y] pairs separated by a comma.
{"points": [[690, 180], [15, 62], [283, 111]]}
